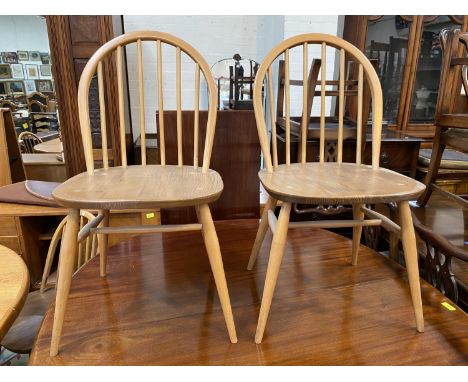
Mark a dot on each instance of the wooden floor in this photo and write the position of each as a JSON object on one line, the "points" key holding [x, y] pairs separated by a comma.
{"points": [[158, 306]]}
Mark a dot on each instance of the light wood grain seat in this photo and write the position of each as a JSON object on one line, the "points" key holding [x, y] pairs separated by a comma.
{"points": [[324, 182], [338, 183], [157, 186]]}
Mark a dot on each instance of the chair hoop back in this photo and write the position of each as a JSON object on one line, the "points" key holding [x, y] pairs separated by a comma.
{"points": [[365, 69], [94, 66]]}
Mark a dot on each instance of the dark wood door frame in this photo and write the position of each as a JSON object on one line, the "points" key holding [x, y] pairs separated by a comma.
{"points": [[73, 40]]}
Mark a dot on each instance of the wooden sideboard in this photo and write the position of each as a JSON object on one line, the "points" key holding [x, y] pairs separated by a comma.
{"points": [[235, 156]]}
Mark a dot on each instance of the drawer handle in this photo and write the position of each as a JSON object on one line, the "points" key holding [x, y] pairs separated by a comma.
{"points": [[384, 158]]}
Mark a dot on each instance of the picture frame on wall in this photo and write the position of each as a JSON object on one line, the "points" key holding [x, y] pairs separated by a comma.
{"points": [[16, 87], [23, 55], [5, 72], [45, 58], [32, 72], [10, 57], [3, 88], [45, 71], [34, 56], [17, 71], [44, 86], [30, 86]]}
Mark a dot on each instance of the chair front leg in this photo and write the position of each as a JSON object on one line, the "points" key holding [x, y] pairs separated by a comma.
{"points": [[357, 231], [262, 229], [216, 262], [411, 258], [276, 255], [102, 244], [65, 272]]}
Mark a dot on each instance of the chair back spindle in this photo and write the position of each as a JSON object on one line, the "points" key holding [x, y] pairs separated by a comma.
{"points": [[345, 87], [97, 64]]}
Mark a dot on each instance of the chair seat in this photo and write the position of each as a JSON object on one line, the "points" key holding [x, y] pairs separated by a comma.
{"points": [[140, 187], [456, 138], [333, 183]]}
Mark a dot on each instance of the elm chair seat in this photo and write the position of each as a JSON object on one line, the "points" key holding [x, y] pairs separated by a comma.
{"points": [[140, 187], [338, 183]]}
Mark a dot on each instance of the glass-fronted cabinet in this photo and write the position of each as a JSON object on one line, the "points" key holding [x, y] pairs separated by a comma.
{"points": [[406, 53]]}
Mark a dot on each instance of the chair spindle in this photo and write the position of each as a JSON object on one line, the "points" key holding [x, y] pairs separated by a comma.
{"points": [[341, 105], [123, 147], [287, 106], [162, 141], [305, 116], [141, 87], [323, 77], [179, 108], [102, 110], [359, 115], [272, 117], [196, 116]]}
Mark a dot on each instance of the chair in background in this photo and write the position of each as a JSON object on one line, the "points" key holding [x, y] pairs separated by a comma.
{"points": [[27, 141], [327, 182], [21, 335], [451, 127], [37, 100], [8, 104], [143, 186], [313, 128]]}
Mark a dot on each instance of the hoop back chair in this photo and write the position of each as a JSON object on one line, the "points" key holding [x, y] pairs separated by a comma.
{"points": [[21, 335], [27, 141], [327, 182], [142, 186]]}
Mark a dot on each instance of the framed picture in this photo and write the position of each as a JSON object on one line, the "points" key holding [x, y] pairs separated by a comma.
{"points": [[31, 72], [17, 71], [10, 57], [34, 56], [44, 86], [15, 86], [23, 55], [30, 86], [45, 58], [45, 71], [3, 88], [5, 71]]}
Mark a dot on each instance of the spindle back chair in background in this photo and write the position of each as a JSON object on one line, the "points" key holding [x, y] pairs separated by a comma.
{"points": [[27, 141], [328, 183], [142, 186]]}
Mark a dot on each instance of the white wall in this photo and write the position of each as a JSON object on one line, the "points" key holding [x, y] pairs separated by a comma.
{"points": [[215, 37], [27, 33], [23, 33]]}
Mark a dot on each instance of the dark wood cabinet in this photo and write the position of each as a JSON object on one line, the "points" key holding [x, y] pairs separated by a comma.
{"points": [[408, 53]]}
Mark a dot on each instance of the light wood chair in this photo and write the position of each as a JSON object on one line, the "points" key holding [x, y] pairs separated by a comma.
{"points": [[21, 335], [143, 186], [322, 182], [27, 141]]}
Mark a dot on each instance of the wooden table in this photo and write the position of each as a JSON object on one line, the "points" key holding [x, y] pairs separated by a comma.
{"points": [[52, 146], [159, 306], [44, 167], [14, 287]]}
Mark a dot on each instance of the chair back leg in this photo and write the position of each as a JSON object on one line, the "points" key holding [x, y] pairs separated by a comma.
{"points": [[276, 256]]}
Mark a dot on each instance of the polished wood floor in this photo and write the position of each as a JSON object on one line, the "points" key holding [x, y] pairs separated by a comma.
{"points": [[158, 306]]}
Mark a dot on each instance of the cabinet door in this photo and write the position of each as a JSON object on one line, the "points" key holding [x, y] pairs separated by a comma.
{"points": [[423, 99]]}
